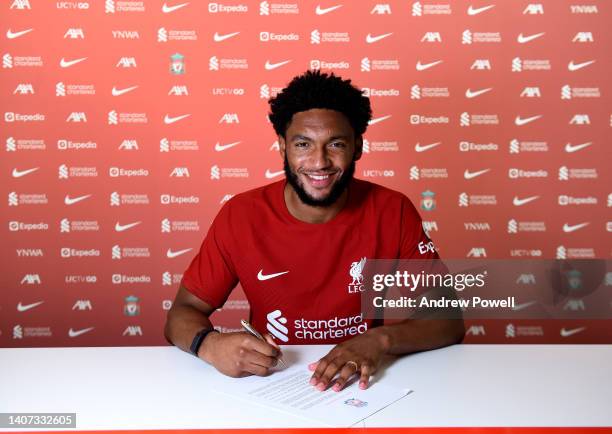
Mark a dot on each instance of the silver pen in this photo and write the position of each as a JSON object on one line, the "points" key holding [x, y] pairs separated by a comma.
{"points": [[250, 329]]}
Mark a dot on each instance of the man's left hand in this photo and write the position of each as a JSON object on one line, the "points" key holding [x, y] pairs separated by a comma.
{"points": [[361, 354]]}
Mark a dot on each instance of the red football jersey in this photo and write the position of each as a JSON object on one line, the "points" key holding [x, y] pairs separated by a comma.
{"points": [[296, 275]]}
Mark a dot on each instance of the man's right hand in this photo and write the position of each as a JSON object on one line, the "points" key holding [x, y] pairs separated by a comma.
{"points": [[239, 354]]}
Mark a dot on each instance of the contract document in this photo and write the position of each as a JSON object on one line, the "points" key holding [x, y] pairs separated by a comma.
{"points": [[289, 391]]}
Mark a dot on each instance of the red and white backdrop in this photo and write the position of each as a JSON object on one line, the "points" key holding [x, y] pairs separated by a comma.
{"points": [[126, 125]]}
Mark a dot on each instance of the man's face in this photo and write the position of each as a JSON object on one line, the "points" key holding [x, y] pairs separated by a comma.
{"points": [[319, 151]]}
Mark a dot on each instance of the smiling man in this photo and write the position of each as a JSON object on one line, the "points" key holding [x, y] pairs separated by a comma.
{"points": [[298, 247]]}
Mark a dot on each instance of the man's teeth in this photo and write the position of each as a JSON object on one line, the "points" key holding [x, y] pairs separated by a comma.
{"points": [[319, 177]]}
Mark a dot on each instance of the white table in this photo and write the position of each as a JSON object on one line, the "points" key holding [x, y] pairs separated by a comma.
{"points": [[165, 388]]}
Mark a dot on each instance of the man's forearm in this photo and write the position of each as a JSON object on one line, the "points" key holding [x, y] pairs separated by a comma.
{"points": [[182, 325], [413, 335]]}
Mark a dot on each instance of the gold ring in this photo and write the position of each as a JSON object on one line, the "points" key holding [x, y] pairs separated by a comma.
{"points": [[350, 362]]}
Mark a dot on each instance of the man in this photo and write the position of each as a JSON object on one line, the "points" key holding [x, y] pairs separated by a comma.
{"points": [[292, 245]]}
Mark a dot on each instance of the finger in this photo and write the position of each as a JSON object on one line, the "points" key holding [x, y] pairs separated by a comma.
{"points": [[321, 366], [313, 366], [261, 360], [254, 344], [346, 373], [269, 339], [256, 369], [364, 379], [330, 372]]}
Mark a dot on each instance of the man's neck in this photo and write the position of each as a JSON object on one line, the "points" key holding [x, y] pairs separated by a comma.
{"points": [[312, 214]]}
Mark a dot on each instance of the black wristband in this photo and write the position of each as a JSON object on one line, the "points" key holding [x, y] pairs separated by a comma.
{"points": [[198, 339]]}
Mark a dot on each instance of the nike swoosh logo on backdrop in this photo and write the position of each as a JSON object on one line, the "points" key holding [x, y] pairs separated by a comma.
{"points": [[271, 175], [121, 228], [524, 39], [576, 66], [569, 148], [71, 200], [220, 38], [522, 121], [469, 175], [471, 94], [170, 254], [379, 119], [475, 11], [571, 228], [219, 147], [422, 67], [565, 332], [322, 11], [13, 35], [20, 173], [24, 307], [67, 63], [421, 148], [371, 39], [524, 305], [520, 202], [75, 333], [167, 9], [270, 66], [170, 120], [118, 92]]}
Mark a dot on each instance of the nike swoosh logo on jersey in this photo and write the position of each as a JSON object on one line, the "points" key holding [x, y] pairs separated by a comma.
{"points": [[13, 35], [475, 11], [576, 66], [261, 276], [565, 332], [371, 39], [422, 67], [472, 94], [270, 66], [67, 63], [569, 148], [71, 200], [469, 175], [121, 228], [524, 305], [220, 38], [167, 9], [519, 202], [522, 121], [271, 175], [170, 254], [24, 307], [422, 148], [117, 92], [571, 228], [20, 173], [219, 147], [170, 120], [377, 120], [75, 333], [524, 39], [322, 11]]}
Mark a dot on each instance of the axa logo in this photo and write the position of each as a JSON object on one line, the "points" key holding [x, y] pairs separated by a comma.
{"points": [[583, 37], [481, 64], [276, 325], [76, 117], [21, 4], [580, 119], [229, 118], [24, 89], [74, 33], [178, 91], [431, 37], [129, 145], [531, 92], [126, 62], [132, 331], [82, 305], [534, 9], [30, 279], [476, 330], [356, 273], [180, 172], [381, 9], [477, 252]]}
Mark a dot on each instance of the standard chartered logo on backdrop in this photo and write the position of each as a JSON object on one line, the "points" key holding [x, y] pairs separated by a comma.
{"points": [[317, 329]]}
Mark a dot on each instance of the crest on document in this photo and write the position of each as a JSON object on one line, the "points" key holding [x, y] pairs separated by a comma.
{"points": [[354, 402], [356, 273]]}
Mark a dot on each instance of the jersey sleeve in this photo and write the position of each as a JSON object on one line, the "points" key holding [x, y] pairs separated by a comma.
{"points": [[414, 243], [211, 276]]}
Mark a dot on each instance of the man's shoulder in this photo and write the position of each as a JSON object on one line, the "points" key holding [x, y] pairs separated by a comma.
{"points": [[263, 195], [379, 193]]}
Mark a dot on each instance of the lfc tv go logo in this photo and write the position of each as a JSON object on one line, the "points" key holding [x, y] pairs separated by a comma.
{"points": [[356, 273]]}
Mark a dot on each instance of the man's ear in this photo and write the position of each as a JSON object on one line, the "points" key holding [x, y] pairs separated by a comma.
{"points": [[358, 148], [281, 146]]}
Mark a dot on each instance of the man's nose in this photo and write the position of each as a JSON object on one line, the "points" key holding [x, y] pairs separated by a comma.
{"points": [[319, 158]]}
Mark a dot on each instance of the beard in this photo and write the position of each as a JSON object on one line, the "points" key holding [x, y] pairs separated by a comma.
{"points": [[335, 193]]}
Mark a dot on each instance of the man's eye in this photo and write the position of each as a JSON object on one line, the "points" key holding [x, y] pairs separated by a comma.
{"points": [[301, 144], [338, 144]]}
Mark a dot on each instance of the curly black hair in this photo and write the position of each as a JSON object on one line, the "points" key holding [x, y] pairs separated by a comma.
{"points": [[315, 89]]}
